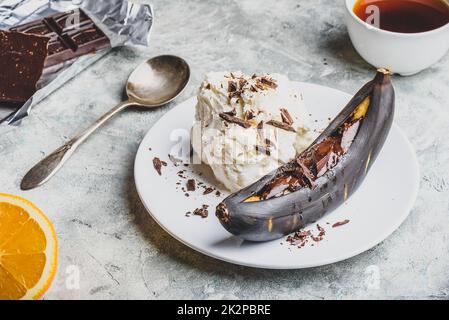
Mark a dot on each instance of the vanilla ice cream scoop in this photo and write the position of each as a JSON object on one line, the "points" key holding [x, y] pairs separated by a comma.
{"points": [[247, 126]]}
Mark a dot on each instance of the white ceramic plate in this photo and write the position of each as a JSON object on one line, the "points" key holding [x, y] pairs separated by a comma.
{"points": [[376, 210]]}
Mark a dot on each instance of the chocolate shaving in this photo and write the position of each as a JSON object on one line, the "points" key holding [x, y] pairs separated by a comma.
{"points": [[281, 125], [260, 125], [302, 237], [299, 238], [286, 117], [232, 86], [269, 82], [208, 190], [340, 223], [157, 164], [320, 235], [235, 120], [260, 86]]}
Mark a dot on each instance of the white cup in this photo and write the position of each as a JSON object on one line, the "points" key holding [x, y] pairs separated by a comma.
{"points": [[403, 53]]}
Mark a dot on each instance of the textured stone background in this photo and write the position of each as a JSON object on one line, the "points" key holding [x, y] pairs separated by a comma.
{"points": [[120, 251]]}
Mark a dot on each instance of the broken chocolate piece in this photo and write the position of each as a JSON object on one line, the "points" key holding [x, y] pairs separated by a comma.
{"points": [[22, 58], [72, 34]]}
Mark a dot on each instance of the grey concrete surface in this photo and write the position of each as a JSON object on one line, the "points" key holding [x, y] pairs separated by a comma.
{"points": [[104, 231]]}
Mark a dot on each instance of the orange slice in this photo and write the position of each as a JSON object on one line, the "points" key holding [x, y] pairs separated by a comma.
{"points": [[28, 249]]}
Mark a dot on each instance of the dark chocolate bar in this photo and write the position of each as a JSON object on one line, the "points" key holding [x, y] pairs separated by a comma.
{"points": [[22, 58], [72, 35]]}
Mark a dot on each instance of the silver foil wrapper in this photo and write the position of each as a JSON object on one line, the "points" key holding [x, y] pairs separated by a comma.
{"points": [[123, 22]]}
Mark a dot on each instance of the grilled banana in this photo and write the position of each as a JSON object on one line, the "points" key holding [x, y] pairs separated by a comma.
{"points": [[322, 177]]}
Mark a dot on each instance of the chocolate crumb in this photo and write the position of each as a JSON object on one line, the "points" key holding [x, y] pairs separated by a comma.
{"points": [[190, 185], [157, 164], [302, 237], [260, 125], [208, 190], [202, 212], [340, 223], [218, 193]]}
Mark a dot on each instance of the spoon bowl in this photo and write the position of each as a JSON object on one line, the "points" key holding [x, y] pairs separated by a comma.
{"points": [[158, 81]]}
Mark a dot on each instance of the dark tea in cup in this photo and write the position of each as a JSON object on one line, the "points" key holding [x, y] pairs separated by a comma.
{"points": [[404, 16]]}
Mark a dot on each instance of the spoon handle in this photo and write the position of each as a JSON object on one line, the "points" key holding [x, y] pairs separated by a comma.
{"points": [[47, 167]]}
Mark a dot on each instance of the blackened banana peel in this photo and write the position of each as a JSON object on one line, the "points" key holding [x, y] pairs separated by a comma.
{"points": [[322, 177]]}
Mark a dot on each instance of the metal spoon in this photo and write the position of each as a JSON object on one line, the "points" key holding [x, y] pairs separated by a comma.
{"points": [[155, 82]]}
